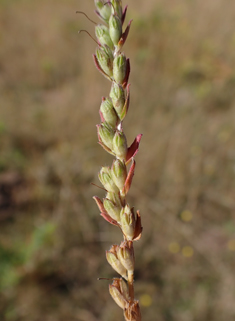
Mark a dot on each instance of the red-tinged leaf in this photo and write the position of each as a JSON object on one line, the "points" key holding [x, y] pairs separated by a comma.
{"points": [[109, 219], [129, 177], [128, 69], [100, 204], [104, 213], [124, 35], [124, 14], [133, 149], [99, 67], [127, 103], [138, 228]]}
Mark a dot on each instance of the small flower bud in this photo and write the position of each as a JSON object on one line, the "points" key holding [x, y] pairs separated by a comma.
{"points": [[112, 209], [119, 292], [106, 134], [126, 256], [128, 222], [113, 260], [115, 28], [105, 59], [119, 68], [102, 34], [104, 11], [108, 112], [117, 7], [119, 173], [106, 180], [115, 198], [126, 210], [117, 95], [120, 145]]}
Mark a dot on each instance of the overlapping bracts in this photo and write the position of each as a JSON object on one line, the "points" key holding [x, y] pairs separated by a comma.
{"points": [[117, 179]]}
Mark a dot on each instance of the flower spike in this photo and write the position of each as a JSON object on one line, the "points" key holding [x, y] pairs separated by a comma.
{"points": [[117, 179]]}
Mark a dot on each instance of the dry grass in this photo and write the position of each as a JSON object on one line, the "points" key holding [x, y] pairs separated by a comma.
{"points": [[52, 239]]}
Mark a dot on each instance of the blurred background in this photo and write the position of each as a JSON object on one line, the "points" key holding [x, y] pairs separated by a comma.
{"points": [[52, 239]]}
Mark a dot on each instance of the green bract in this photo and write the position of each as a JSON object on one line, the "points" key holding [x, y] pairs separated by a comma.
{"points": [[106, 134], [117, 7], [105, 58], [102, 34], [115, 28], [119, 173], [119, 68], [117, 94], [119, 145], [112, 209], [109, 113], [104, 11], [128, 220], [107, 181]]}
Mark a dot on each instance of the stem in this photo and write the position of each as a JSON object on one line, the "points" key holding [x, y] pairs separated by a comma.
{"points": [[130, 278], [131, 284]]}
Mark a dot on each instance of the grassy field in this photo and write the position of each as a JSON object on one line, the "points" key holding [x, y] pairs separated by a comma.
{"points": [[52, 239]]}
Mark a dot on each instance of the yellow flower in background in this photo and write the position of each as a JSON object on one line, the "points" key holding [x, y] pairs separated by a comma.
{"points": [[174, 247], [187, 251], [146, 300], [186, 216]]}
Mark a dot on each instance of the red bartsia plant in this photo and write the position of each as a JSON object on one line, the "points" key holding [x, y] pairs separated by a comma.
{"points": [[117, 179]]}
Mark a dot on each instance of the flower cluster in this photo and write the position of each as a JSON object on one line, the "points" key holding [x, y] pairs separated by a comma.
{"points": [[117, 179]]}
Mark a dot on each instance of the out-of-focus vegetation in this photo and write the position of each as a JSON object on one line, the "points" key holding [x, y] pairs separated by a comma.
{"points": [[52, 240]]}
